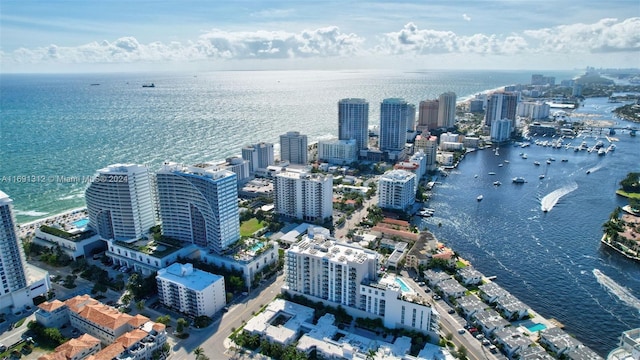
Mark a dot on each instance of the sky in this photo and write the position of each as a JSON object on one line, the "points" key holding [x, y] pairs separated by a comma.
{"points": [[202, 35]]}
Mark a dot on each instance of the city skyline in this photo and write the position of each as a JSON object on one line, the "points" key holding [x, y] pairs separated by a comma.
{"points": [[198, 36]]}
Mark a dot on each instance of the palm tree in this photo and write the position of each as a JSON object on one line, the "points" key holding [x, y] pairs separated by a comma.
{"points": [[198, 352], [371, 354], [140, 305]]}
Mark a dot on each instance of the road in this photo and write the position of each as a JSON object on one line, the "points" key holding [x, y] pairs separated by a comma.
{"points": [[451, 323], [356, 218], [211, 339]]}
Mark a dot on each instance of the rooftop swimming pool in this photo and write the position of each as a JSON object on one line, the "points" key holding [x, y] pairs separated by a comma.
{"points": [[81, 223], [536, 327], [403, 286], [257, 247]]}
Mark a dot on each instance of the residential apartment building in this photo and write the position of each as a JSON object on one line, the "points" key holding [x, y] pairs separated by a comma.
{"points": [[124, 336], [19, 281], [339, 152], [428, 115], [198, 205], [323, 269], [429, 145], [396, 190], [260, 156], [191, 291], [533, 110], [393, 126], [294, 148], [500, 130], [303, 195], [501, 106], [353, 122], [320, 268], [120, 202], [447, 110], [75, 349]]}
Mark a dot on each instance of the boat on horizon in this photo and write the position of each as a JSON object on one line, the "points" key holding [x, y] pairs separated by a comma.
{"points": [[152, 85]]}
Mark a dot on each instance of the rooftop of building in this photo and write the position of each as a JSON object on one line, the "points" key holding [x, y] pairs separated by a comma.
{"points": [[123, 169], [158, 248], [186, 275], [322, 246], [206, 170], [397, 175]]}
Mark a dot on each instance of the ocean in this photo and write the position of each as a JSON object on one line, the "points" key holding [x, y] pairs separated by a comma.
{"points": [[57, 130]]}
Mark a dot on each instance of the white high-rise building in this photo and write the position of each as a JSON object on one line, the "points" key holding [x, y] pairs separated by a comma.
{"points": [[18, 286], [198, 205], [329, 270], [120, 203], [393, 126], [397, 190], [353, 122], [260, 156], [12, 260], [304, 196], [500, 130], [338, 151], [447, 110], [294, 148], [191, 291]]}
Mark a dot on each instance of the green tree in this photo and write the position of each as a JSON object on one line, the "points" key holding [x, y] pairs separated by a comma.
{"points": [[181, 324], [164, 319], [140, 305]]}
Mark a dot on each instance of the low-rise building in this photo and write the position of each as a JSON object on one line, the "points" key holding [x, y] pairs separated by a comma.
{"points": [[451, 288], [535, 353], [489, 321], [557, 341], [470, 305], [435, 277], [470, 276], [421, 251], [76, 242], [148, 256], [52, 314], [513, 342], [583, 353], [280, 322], [191, 291], [74, 349], [512, 308], [491, 292]]}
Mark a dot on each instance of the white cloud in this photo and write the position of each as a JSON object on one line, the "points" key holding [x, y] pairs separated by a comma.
{"points": [[602, 37], [466, 17]]}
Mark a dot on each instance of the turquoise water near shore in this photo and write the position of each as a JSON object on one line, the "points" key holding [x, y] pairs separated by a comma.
{"points": [[58, 129]]}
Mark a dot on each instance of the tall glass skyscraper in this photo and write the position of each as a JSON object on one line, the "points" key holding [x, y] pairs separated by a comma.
{"points": [[12, 259], [447, 110], [353, 122], [199, 205], [393, 124]]}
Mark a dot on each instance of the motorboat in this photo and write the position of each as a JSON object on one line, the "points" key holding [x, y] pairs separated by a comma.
{"points": [[519, 180], [480, 197]]}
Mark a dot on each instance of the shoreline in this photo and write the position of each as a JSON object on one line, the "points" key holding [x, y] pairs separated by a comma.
{"points": [[28, 228]]}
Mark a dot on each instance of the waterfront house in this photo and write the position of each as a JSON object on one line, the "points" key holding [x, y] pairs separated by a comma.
{"points": [[470, 276], [583, 353], [488, 321], [513, 342], [557, 341], [491, 292], [629, 346], [512, 308], [470, 305], [435, 277], [451, 288], [535, 353]]}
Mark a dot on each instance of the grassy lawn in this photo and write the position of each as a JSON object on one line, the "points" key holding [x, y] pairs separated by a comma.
{"points": [[247, 228], [628, 194]]}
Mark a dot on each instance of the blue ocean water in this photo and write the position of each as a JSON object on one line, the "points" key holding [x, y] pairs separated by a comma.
{"points": [[56, 130]]}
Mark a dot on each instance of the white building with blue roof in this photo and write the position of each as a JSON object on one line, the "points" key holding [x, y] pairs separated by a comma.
{"points": [[191, 291]]}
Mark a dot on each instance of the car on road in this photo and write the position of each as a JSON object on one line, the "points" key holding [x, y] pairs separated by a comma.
{"points": [[461, 331], [486, 342], [451, 311], [437, 297]]}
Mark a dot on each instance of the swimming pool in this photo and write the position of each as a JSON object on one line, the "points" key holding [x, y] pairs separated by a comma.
{"points": [[81, 223], [257, 247], [403, 286], [536, 327]]}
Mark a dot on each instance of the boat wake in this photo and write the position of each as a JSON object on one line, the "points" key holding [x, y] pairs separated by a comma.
{"points": [[616, 289], [549, 201], [594, 169]]}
